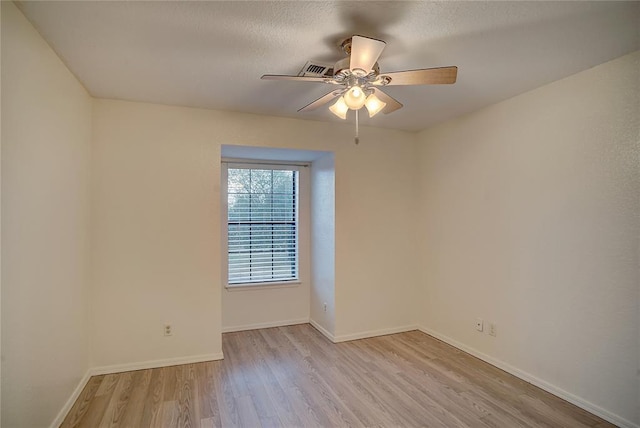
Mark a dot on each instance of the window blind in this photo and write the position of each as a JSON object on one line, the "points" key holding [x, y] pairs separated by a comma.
{"points": [[262, 220]]}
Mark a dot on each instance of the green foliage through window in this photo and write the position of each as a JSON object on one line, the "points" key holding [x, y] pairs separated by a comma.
{"points": [[262, 225]]}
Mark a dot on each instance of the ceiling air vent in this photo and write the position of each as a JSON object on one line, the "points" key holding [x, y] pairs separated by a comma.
{"points": [[316, 69]]}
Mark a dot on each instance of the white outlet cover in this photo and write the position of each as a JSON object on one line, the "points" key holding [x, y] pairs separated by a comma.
{"points": [[492, 329]]}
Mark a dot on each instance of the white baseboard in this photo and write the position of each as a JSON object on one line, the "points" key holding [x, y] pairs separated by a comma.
{"points": [[72, 399], [142, 365], [322, 330], [373, 333], [558, 392], [265, 325]]}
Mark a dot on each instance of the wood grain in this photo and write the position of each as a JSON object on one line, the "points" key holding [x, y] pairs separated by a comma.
{"points": [[294, 377]]}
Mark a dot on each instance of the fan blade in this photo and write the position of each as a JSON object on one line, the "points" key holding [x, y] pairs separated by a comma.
{"points": [[392, 104], [425, 76], [297, 78], [365, 53], [321, 101]]}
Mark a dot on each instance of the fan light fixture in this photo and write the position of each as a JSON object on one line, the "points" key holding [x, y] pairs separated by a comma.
{"points": [[354, 99], [340, 108], [374, 105]]}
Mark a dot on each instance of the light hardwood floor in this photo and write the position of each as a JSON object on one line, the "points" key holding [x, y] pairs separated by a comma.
{"points": [[294, 377]]}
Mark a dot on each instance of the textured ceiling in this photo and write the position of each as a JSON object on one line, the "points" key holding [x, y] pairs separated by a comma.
{"points": [[212, 54]]}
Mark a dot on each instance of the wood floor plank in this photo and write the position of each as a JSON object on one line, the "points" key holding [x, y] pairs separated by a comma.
{"points": [[119, 402], [209, 423], [82, 403], [294, 377], [226, 399], [170, 382], [151, 410], [188, 401], [99, 403], [247, 411], [96, 411], [132, 416], [168, 414], [363, 404], [108, 384], [273, 390], [206, 381]]}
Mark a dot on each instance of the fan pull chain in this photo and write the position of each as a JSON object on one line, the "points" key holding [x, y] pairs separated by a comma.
{"points": [[357, 128]]}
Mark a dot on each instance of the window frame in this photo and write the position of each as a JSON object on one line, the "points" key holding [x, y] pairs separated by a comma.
{"points": [[260, 164]]}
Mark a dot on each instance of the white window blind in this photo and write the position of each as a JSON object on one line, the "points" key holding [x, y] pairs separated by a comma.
{"points": [[262, 221]]}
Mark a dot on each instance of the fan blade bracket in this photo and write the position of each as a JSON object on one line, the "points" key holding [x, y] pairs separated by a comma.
{"points": [[381, 81]]}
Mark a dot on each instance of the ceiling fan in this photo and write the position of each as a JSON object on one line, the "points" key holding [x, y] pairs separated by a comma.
{"points": [[359, 80]]}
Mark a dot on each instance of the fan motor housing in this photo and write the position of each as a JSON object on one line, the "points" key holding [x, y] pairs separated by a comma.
{"points": [[341, 66]]}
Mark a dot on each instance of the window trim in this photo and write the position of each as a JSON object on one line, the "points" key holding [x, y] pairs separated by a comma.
{"points": [[256, 164]]}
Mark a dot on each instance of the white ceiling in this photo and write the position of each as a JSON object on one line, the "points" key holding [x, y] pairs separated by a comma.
{"points": [[212, 54]]}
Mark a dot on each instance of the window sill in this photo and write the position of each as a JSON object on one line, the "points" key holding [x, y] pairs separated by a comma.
{"points": [[262, 286]]}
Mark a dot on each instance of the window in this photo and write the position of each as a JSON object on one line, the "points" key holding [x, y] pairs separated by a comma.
{"points": [[262, 223]]}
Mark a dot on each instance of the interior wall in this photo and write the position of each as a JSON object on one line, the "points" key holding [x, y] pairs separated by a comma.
{"points": [[155, 229], [376, 258], [323, 217], [529, 220], [46, 134], [156, 224]]}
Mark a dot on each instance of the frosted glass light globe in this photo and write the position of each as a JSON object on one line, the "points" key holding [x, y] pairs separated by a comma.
{"points": [[339, 108], [355, 98], [374, 105]]}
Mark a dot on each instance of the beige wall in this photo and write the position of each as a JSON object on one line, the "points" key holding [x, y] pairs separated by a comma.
{"points": [[46, 131], [154, 234], [529, 219], [376, 210], [156, 224], [323, 244]]}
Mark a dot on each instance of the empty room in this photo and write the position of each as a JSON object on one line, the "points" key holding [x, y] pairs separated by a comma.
{"points": [[322, 213]]}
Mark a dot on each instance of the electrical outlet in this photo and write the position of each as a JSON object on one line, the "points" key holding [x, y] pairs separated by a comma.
{"points": [[168, 330], [479, 324], [325, 306], [492, 329]]}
